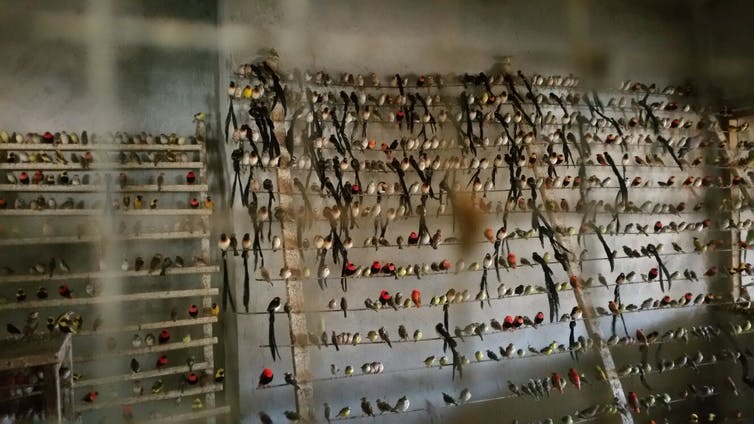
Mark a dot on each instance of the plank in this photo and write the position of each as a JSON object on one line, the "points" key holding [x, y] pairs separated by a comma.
{"points": [[172, 394], [104, 146], [113, 379], [150, 326], [172, 235], [191, 416], [26, 278], [147, 349], [99, 188], [134, 297]]}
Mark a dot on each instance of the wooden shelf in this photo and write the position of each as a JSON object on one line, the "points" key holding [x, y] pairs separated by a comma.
{"points": [[23, 396], [150, 326], [175, 235], [101, 404], [147, 349], [21, 354], [139, 375], [104, 274], [94, 212], [99, 188], [101, 146], [99, 166], [148, 296], [190, 416]]}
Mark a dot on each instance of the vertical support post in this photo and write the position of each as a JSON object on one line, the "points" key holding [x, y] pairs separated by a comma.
{"points": [[733, 196], [295, 292], [590, 321], [208, 351], [52, 394], [294, 286]]}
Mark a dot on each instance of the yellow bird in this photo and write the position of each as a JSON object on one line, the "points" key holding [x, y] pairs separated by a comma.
{"points": [[138, 201], [209, 203], [246, 93]]}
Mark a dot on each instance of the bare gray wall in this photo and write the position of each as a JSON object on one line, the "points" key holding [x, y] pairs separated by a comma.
{"points": [[47, 72]]}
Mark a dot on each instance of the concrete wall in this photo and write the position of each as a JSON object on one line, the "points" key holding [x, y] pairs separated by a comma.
{"points": [[50, 80], [610, 41]]}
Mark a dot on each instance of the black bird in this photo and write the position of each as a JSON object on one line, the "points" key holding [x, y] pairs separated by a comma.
{"points": [[138, 263], [155, 262], [42, 293], [12, 329], [273, 307], [334, 340], [166, 263], [344, 307], [449, 399], [292, 381], [246, 245]]}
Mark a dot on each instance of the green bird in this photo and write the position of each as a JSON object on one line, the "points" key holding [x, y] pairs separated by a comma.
{"points": [[344, 413]]}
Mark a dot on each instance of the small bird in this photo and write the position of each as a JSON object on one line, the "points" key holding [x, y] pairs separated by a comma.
{"points": [[402, 404], [157, 386], [289, 379], [12, 329], [383, 406], [384, 336], [416, 298], [160, 181], [575, 378], [344, 306], [162, 361], [265, 274], [327, 412], [265, 378], [366, 407], [465, 395], [65, 291], [449, 399], [138, 263], [344, 412], [154, 264], [90, 396]]}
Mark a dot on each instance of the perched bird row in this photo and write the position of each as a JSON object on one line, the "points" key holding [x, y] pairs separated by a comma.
{"points": [[64, 137], [41, 203], [539, 388]]}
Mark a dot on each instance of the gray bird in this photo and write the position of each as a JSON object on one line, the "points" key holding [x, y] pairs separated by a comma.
{"points": [[384, 336], [327, 412], [366, 407], [402, 405], [383, 406]]}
